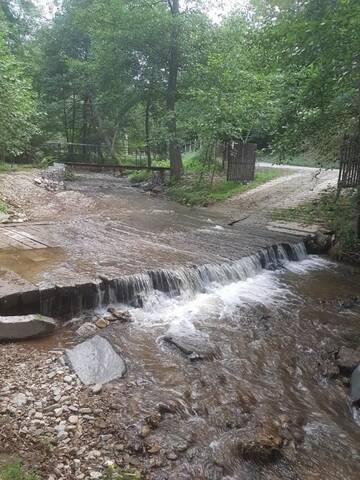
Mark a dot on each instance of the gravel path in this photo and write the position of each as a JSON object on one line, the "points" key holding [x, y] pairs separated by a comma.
{"points": [[299, 185]]}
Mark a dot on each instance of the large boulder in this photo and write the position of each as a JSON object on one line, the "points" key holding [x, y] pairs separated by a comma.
{"points": [[21, 327], [96, 362]]}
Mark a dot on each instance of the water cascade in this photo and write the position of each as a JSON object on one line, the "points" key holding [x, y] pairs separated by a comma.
{"points": [[134, 289]]}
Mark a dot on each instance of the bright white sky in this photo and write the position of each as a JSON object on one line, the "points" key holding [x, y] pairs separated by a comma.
{"points": [[217, 8]]}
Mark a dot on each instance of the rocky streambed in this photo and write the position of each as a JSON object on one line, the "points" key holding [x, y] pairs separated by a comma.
{"points": [[249, 379]]}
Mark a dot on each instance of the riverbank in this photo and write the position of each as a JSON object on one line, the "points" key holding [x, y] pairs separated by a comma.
{"points": [[337, 214]]}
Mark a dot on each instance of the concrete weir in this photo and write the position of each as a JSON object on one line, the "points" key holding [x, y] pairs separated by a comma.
{"points": [[70, 300]]}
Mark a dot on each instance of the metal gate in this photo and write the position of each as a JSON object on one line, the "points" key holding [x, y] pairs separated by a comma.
{"points": [[349, 175]]}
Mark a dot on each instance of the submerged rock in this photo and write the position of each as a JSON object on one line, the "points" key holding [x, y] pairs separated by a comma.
{"points": [[96, 362], [21, 327], [259, 443], [195, 347]]}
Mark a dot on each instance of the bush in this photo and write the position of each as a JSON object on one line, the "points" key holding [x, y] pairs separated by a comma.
{"points": [[139, 176]]}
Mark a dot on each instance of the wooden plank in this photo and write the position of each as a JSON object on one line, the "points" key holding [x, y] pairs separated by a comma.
{"points": [[31, 237], [23, 240]]}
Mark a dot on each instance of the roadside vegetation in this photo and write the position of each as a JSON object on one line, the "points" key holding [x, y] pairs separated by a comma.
{"points": [[15, 471], [204, 192], [337, 214]]}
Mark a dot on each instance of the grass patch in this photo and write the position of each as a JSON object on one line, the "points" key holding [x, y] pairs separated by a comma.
{"points": [[338, 215], [191, 192], [7, 167], [139, 176], [15, 471], [17, 167], [3, 207]]}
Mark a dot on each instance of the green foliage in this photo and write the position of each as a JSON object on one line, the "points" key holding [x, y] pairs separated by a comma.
{"points": [[203, 193], [18, 116], [337, 214], [114, 474], [139, 176], [15, 471], [315, 46], [3, 207]]}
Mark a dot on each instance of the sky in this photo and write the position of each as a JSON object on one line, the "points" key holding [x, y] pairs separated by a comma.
{"points": [[217, 8]]}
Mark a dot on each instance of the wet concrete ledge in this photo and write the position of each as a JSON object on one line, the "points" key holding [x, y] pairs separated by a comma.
{"points": [[66, 301]]}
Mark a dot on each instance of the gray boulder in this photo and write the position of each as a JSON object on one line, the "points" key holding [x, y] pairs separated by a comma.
{"points": [[355, 387], [96, 362], [21, 327]]}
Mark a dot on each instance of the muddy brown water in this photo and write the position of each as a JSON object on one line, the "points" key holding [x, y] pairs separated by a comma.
{"points": [[265, 342]]}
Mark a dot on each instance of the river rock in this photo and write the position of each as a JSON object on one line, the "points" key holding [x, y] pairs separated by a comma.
{"points": [[355, 387], [96, 362], [102, 323], [318, 244], [88, 329], [20, 327], [259, 443], [195, 347], [347, 360], [121, 315]]}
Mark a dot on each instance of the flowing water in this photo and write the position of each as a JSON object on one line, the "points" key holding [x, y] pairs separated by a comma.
{"points": [[257, 341]]}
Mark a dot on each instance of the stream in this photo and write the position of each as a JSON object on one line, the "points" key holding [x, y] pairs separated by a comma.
{"points": [[233, 370]]}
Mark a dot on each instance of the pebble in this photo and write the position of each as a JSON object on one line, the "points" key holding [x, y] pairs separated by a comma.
{"points": [[73, 419], [96, 475], [96, 388], [20, 399], [85, 411]]}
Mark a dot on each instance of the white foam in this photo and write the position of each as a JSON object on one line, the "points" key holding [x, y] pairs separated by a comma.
{"points": [[185, 312]]}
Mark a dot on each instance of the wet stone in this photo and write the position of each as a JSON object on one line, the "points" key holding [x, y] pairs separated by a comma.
{"points": [[21, 327], [195, 347], [347, 360], [95, 361], [88, 329], [355, 387]]}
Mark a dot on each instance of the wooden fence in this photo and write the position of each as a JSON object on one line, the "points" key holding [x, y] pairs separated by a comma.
{"points": [[240, 160], [349, 174]]}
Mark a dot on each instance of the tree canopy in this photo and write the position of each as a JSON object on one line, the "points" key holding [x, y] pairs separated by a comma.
{"points": [[283, 73]]}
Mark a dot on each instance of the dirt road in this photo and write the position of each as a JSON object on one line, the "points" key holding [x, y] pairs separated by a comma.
{"points": [[300, 184]]}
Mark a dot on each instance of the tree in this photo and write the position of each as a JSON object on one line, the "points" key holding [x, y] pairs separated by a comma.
{"points": [[18, 115], [174, 147]]}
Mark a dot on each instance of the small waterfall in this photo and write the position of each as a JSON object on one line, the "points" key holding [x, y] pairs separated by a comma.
{"points": [[134, 289], [66, 301]]}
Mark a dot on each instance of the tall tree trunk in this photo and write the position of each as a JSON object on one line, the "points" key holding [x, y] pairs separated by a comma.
{"points": [[147, 131], [174, 147]]}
